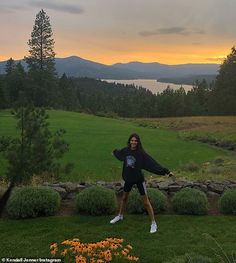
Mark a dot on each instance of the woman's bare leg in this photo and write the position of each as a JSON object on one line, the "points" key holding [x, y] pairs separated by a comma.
{"points": [[148, 207], [123, 202]]}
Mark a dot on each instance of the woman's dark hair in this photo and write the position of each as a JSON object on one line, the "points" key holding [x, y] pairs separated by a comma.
{"points": [[139, 145]]}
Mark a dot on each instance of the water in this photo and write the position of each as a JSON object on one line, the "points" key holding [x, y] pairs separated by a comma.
{"points": [[151, 84]]}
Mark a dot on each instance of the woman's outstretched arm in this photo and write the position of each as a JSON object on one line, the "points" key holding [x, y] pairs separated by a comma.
{"points": [[153, 166]]}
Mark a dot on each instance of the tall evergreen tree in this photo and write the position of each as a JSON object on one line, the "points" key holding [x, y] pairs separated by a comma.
{"points": [[41, 45], [225, 87], [41, 62]]}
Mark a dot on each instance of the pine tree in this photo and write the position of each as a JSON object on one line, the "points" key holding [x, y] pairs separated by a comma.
{"points": [[225, 87], [35, 151], [41, 63], [41, 45]]}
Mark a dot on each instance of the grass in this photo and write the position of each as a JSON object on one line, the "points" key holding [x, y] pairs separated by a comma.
{"points": [[222, 168], [177, 235], [93, 138], [219, 128], [91, 141]]}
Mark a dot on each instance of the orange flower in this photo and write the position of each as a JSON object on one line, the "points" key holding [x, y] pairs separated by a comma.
{"points": [[107, 255], [114, 246], [99, 252], [129, 247], [74, 243], [79, 248], [64, 252], [80, 259], [132, 258], [125, 251], [53, 246], [66, 242], [53, 252]]}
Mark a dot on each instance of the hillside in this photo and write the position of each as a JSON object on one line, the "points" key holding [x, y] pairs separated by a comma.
{"points": [[92, 140]]}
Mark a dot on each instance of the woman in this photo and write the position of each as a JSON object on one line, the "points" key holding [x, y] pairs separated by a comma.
{"points": [[135, 159]]}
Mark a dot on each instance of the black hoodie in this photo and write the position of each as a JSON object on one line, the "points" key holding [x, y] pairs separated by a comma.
{"points": [[133, 163]]}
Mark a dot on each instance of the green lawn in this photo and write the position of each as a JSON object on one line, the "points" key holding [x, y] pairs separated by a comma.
{"points": [[92, 140], [177, 235]]}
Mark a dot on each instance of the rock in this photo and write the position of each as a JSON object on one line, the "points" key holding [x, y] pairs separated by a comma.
{"points": [[101, 183], [174, 188], [184, 183], [232, 186], [70, 187], [216, 187], [163, 185], [153, 184], [213, 188], [200, 187]]}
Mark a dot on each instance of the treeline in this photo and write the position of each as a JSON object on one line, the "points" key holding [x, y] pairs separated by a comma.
{"points": [[110, 99], [41, 86]]}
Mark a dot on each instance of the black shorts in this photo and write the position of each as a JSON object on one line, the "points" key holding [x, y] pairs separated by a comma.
{"points": [[141, 187]]}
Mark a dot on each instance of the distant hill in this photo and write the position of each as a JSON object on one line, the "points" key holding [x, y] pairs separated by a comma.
{"points": [[169, 71], [79, 67], [188, 80]]}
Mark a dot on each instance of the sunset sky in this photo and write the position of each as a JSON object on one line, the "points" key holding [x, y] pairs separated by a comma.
{"points": [[111, 31]]}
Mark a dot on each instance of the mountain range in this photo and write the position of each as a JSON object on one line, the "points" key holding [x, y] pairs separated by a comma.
{"points": [[79, 67]]}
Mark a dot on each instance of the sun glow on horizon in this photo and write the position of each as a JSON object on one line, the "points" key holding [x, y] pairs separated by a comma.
{"points": [[149, 57]]}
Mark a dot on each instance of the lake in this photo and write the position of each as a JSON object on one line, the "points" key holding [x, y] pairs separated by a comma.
{"points": [[151, 84]]}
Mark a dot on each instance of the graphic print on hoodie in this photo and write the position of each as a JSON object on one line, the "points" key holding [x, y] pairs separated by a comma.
{"points": [[130, 161]]}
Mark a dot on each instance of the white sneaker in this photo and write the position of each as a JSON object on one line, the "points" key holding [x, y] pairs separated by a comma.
{"points": [[116, 219], [153, 228]]}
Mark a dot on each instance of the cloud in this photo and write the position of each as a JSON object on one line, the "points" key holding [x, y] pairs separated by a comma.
{"points": [[67, 8], [170, 31], [5, 8]]}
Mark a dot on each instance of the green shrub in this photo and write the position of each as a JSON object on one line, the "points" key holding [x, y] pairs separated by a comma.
{"points": [[157, 198], [190, 258], [190, 201], [96, 200], [227, 202], [32, 201]]}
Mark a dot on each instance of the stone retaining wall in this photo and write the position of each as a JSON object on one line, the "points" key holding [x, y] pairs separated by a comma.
{"points": [[212, 188]]}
